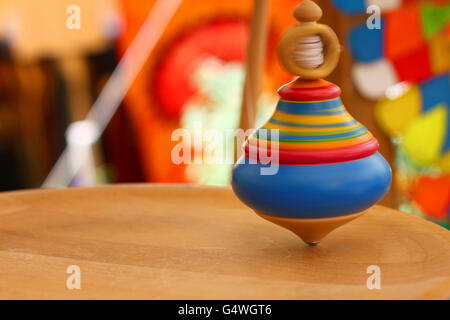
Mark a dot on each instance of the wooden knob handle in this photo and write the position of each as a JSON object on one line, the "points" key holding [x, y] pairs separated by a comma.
{"points": [[307, 11]]}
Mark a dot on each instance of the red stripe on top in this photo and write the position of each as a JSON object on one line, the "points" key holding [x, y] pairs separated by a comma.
{"points": [[304, 157], [293, 93]]}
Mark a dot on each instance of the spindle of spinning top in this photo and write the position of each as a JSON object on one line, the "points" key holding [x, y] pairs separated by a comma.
{"points": [[328, 166], [309, 49]]}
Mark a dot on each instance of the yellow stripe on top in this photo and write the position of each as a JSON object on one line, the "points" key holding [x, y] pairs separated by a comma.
{"points": [[312, 119]]}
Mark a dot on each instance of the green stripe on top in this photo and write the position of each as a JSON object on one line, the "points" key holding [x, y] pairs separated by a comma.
{"points": [[333, 109], [316, 133], [328, 107]]}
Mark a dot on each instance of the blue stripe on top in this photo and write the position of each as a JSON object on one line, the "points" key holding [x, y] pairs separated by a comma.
{"points": [[319, 107], [333, 125], [352, 133]]}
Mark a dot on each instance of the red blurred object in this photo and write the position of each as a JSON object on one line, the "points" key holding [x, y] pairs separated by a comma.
{"points": [[432, 194], [404, 32], [223, 39], [199, 28], [415, 67]]}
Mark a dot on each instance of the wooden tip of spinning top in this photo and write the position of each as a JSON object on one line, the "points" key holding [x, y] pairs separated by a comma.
{"points": [[307, 11], [311, 231]]}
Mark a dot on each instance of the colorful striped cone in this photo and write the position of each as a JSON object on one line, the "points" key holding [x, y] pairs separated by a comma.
{"points": [[329, 170]]}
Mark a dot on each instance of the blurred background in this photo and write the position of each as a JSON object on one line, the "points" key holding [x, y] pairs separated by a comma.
{"points": [[57, 56]]}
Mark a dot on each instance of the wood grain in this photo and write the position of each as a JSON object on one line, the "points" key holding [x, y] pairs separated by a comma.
{"points": [[190, 242]]}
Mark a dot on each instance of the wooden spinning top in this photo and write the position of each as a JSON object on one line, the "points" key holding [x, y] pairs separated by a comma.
{"points": [[327, 168], [301, 45]]}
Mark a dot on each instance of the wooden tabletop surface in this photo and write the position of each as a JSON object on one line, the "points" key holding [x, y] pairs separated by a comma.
{"points": [[190, 242]]}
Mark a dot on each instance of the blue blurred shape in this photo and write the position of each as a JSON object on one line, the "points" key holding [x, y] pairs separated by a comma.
{"points": [[352, 7], [366, 44], [435, 91]]}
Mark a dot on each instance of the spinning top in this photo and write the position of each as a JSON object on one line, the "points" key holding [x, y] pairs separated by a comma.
{"points": [[328, 168]]}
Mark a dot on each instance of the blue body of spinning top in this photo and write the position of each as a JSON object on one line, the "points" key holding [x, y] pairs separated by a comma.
{"points": [[324, 167]]}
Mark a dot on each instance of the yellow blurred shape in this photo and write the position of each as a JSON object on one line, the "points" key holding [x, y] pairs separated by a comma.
{"points": [[424, 137], [394, 114]]}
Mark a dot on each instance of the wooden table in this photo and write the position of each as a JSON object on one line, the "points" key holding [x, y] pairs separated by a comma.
{"points": [[183, 242]]}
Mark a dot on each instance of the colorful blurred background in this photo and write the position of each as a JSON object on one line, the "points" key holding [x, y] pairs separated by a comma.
{"points": [[395, 80]]}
